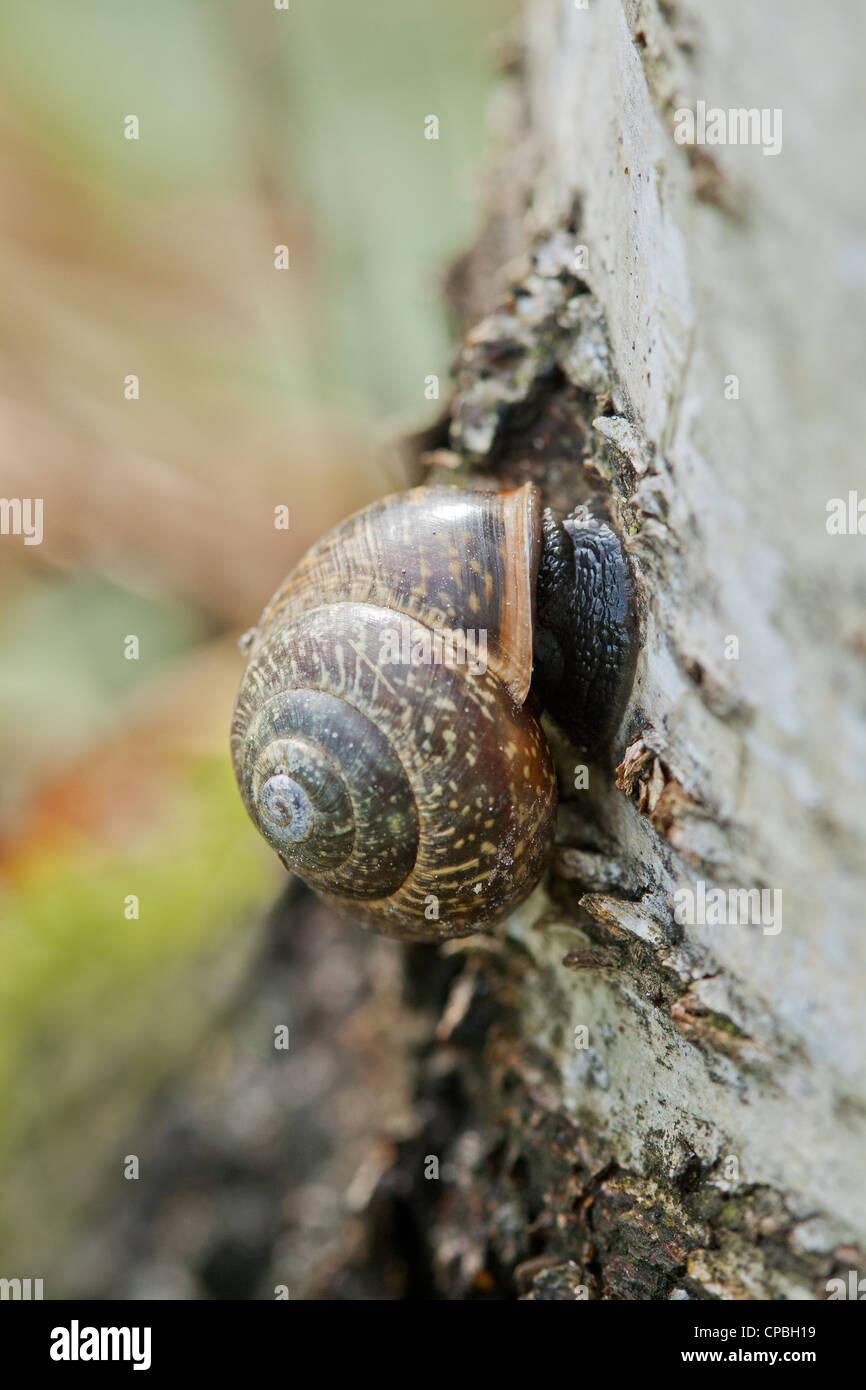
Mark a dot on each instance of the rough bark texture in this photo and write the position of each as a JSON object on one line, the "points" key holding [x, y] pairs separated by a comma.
{"points": [[611, 1163], [707, 1141]]}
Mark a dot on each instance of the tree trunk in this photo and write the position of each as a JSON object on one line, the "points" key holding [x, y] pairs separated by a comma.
{"points": [[657, 1107], [605, 1099]]}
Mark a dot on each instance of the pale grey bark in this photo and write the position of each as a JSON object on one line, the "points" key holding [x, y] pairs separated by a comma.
{"points": [[707, 1042]]}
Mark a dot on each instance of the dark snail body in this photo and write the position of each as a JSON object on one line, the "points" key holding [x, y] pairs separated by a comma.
{"points": [[586, 630], [418, 796]]}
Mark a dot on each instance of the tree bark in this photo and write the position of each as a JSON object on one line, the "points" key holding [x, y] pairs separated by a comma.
{"points": [[602, 1100], [704, 1137]]}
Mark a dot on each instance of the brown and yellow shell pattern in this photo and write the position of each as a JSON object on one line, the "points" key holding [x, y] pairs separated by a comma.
{"points": [[418, 799]]}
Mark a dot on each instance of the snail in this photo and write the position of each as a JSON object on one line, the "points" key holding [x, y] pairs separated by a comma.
{"points": [[411, 784]]}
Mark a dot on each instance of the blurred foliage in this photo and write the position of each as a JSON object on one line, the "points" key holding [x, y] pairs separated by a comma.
{"points": [[61, 624], [96, 1008], [257, 388], [308, 124]]}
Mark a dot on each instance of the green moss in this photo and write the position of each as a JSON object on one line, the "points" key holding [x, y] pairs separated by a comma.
{"points": [[723, 1024], [87, 994]]}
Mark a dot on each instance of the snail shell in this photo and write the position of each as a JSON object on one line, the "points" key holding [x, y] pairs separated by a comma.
{"points": [[417, 798]]}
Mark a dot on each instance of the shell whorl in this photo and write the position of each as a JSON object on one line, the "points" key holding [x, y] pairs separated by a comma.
{"points": [[418, 798]]}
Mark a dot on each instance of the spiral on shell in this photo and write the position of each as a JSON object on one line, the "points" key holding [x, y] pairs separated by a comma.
{"points": [[417, 796]]}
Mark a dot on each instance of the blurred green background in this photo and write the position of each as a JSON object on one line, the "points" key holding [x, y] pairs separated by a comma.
{"points": [[258, 388]]}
